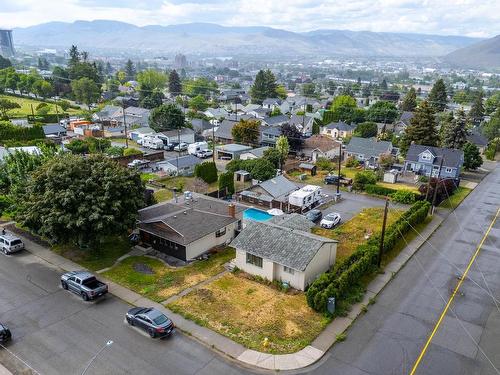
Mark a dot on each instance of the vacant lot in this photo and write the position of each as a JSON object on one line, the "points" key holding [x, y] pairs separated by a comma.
{"points": [[456, 198], [26, 104], [182, 183], [162, 281], [355, 231], [248, 312]]}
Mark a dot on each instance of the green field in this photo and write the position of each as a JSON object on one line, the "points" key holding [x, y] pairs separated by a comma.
{"points": [[26, 104]]}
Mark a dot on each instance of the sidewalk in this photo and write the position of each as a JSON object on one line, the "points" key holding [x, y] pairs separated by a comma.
{"points": [[4, 371], [303, 358]]}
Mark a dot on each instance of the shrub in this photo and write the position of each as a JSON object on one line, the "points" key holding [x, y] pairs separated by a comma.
{"points": [[364, 178], [445, 188], [351, 162], [207, 171], [131, 151], [226, 180], [379, 190], [9, 131], [324, 164], [404, 196]]}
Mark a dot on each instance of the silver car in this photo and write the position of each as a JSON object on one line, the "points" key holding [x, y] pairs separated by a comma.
{"points": [[10, 244]]}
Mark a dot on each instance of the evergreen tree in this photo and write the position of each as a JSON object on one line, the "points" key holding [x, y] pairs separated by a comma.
{"points": [[271, 84], [74, 55], [410, 101], [108, 69], [264, 86], [422, 129], [174, 83], [476, 113], [438, 97], [472, 157], [129, 70], [383, 85]]}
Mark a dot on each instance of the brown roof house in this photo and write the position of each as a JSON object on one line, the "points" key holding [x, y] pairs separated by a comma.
{"points": [[321, 146], [191, 227]]}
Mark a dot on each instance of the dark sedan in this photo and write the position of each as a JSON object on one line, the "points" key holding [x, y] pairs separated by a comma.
{"points": [[314, 215], [5, 334], [155, 323]]}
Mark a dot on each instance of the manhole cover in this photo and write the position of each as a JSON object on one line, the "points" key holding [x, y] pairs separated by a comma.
{"points": [[143, 268]]}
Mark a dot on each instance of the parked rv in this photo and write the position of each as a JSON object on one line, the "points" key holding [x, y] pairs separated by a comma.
{"points": [[306, 197]]}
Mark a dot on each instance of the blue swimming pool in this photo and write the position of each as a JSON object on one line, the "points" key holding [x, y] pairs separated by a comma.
{"points": [[256, 215]]}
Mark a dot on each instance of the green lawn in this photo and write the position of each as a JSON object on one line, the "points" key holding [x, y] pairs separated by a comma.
{"points": [[248, 312], [163, 195], [26, 104], [166, 281], [456, 198], [123, 141], [96, 259], [148, 176]]}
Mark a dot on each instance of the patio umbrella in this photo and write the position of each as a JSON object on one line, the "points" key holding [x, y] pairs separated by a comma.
{"points": [[275, 212]]}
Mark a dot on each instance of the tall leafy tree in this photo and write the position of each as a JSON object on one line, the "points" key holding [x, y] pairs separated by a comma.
{"points": [[246, 131], [151, 80], [294, 136], [491, 129], [4, 62], [85, 90], [74, 55], [472, 157], [409, 101], [77, 199], [7, 105], [174, 83], [422, 129], [366, 130], [438, 96], [283, 148], [382, 111], [166, 117]]}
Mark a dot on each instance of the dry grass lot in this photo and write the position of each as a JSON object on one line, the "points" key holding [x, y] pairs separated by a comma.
{"points": [[166, 281], [352, 233], [247, 312], [26, 104]]}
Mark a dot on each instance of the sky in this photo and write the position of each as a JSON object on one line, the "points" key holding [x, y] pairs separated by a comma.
{"points": [[478, 18]]}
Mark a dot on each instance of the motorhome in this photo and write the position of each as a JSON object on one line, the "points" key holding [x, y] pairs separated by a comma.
{"points": [[306, 197], [196, 147], [152, 142]]}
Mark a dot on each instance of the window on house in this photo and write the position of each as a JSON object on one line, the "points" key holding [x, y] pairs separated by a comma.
{"points": [[254, 259], [449, 170], [426, 157], [288, 270], [220, 232]]}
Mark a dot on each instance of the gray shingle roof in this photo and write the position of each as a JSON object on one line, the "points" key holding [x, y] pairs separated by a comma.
{"points": [[293, 221], [342, 126], [173, 133], [369, 147], [271, 130], [185, 161], [275, 120], [477, 138], [288, 247], [53, 129], [278, 186], [452, 158], [258, 152], [224, 130]]}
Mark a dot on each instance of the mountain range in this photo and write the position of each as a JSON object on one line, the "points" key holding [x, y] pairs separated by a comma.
{"points": [[485, 54], [212, 39]]}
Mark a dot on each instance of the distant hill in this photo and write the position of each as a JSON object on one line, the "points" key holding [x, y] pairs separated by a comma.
{"points": [[484, 54], [212, 39]]}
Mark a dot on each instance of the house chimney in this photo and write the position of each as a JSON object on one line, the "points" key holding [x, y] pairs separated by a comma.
{"points": [[232, 210]]}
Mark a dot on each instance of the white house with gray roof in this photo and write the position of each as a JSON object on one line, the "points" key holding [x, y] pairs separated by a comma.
{"points": [[279, 251], [368, 150], [181, 166], [425, 160]]}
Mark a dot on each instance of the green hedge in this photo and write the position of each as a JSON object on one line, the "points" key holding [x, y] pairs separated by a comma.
{"points": [[9, 131], [379, 190], [207, 171], [400, 196], [349, 272], [226, 180], [48, 118]]}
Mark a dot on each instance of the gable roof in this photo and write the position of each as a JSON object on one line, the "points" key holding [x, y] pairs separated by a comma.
{"points": [[174, 133], [271, 101], [278, 186], [341, 125], [289, 247], [293, 221], [276, 120], [53, 129], [299, 119], [271, 130], [258, 152], [406, 117], [370, 147], [321, 142], [184, 161], [451, 157], [200, 124], [143, 130], [477, 138], [224, 129]]}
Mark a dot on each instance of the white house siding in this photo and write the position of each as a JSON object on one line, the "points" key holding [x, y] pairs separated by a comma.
{"points": [[321, 262], [266, 272], [296, 280], [210, 241], [330, 154]]}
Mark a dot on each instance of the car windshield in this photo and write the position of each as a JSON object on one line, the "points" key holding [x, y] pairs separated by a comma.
{"points": [[330, 216], [15, 242], [160, 319]]}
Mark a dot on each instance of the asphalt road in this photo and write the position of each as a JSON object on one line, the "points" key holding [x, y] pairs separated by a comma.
{"points": [[55, 332], [389, 338]]}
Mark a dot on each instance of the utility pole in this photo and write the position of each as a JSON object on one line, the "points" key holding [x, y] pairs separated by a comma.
{"points": [[125, 124], [179, 151], [338, 179], [381, 246], [213, 143], [437, 185]]}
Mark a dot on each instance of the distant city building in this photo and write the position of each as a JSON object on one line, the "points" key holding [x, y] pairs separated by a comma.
{"points": [[180, 61], [6, 43]]}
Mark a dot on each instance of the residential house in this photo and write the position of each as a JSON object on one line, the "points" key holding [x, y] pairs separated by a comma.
{"points": [[187, 229], [476, 138], [106, 115], [114, 131], [425, 160], [260, 113], [321, 146], [275, 120], [275, 189], [271, 103], [303, 123], [200, 125], [238, 117], [277, 252], [254, 153], [185, 135], [54, 131], [403, 122], [368, 150], [216, 115], [250, 107], [338, 130], [269, 135], [181, 166], [223, 133]]}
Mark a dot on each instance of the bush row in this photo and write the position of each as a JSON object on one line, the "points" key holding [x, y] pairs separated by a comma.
{"points": [[401, 196], [348, 272], [207, 171], [9, 131]]}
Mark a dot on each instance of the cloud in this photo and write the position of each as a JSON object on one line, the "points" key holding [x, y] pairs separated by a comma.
{"points": [[456, 17]]}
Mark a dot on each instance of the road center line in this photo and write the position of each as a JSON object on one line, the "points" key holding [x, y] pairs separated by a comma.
{"points": [[455, 291]]}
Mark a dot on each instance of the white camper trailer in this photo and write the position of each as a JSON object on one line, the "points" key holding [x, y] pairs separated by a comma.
{"points": [[305, 197], [152, 142], [196, 147]]}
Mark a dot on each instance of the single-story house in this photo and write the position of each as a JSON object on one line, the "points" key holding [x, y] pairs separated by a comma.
{"points": [[54, 130], [278, 188], [402, 123], [338, 130], [181, 166], [254, 153], [321, 146], [425, 160], [231, 151], [106, 114], [238, 117], [139, 133], [185, 135], [368, 150], [259, 113], [187, 230], [250, 107], [277, 252], [271, 103], [303, 123], [476, 138], [275, 120], [223, 133], [216, 115], [269, 135]]}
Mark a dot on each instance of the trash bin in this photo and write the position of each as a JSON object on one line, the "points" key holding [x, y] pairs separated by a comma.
{"points": [[331, 305]]}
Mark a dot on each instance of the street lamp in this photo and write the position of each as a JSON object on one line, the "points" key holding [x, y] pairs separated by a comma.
{"points": [[109, 343]]}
